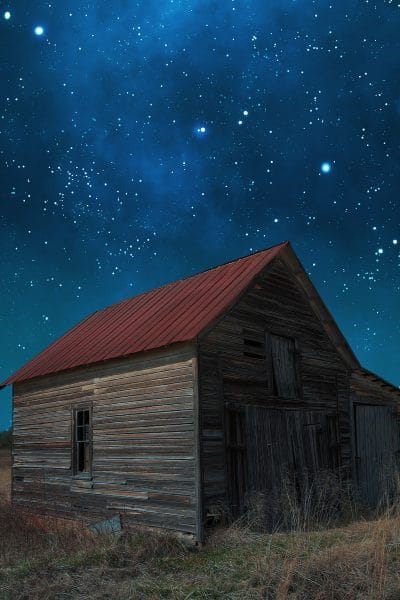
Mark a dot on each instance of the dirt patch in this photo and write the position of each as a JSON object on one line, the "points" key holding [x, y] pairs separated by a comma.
{"points": [[5, 472]]}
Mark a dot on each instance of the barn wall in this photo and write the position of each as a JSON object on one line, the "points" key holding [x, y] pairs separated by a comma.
{"points": [[366, 389], [143, 441], [275, 304], [375, 413]]}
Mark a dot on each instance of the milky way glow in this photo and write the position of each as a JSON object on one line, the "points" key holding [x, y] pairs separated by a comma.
{"points": [[142, 142]]}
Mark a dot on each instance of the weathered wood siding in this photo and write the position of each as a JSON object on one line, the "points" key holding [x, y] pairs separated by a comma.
{"points": [[279, 441], [377, 444], [144, 446], [366, 389], [234, 372], [375, 411]]}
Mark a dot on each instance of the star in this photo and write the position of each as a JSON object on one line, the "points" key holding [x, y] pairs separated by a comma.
{"points": [[200, 131], [200, 135]]}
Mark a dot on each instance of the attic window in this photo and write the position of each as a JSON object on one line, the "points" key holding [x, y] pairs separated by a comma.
{"points": [[253, 344], [82, 447], [284, 366]]}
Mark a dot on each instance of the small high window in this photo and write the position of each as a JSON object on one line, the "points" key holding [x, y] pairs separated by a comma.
{"points": [[82, 451], [253, 344], [284, 367]]}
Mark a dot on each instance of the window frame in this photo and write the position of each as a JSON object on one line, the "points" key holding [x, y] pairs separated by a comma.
{"points": [[75, 409]]}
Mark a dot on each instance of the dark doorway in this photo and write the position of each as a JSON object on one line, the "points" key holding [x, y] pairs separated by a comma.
{"points": [[236, 457], [265, 445], [377, 441]]}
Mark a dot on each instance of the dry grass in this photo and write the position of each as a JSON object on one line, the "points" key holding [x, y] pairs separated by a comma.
{"points": [[48, 560], [301, 504], [357, 561]]}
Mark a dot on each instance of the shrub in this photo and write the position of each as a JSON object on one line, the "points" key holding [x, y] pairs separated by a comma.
{"points": [[303, 503]]}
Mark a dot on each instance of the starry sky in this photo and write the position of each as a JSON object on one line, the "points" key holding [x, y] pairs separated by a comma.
{"points": [[144, 141]]}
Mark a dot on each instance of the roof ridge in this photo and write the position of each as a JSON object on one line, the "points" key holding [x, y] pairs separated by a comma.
{"points": [[165, 285], [136, 324]]}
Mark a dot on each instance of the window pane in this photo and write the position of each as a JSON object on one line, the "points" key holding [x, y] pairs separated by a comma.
{"points": [[80, 457], [83, 451], [87, 457], [80, 434]]}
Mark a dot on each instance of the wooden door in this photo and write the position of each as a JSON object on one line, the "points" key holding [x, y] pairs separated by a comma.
{"points": [[288, 443], [269, 451], [314, 440], [236, 458], [264, 446], [377, 443]]}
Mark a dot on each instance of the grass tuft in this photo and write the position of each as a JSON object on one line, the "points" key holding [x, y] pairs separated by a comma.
{"points": [[318, 554]]}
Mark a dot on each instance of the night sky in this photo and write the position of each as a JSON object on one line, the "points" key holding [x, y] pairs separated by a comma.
{"points": [[141, 142]]}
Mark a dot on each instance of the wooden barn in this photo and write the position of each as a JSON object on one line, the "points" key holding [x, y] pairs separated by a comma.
{"points": [[191, 396]]}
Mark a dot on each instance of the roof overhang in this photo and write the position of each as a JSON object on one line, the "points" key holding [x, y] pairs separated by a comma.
{"points": [[365, 374]]}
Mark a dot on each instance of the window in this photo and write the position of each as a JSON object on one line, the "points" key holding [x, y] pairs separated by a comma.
{"points": [[253, 344], [82, 447], [284, 366]]}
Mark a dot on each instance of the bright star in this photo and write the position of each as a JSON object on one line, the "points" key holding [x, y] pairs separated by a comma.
{"points": [[326, 167], [39, 30], [200, 131], [7, 15]]}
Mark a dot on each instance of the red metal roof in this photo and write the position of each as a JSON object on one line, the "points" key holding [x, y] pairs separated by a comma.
{"points": [[176, 312]]}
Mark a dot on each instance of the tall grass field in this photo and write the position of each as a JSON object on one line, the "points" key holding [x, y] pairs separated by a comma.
{"points": [[47, 559]]}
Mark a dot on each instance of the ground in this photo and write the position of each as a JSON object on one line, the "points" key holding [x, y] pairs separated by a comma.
{"points": [[42, 559]]}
